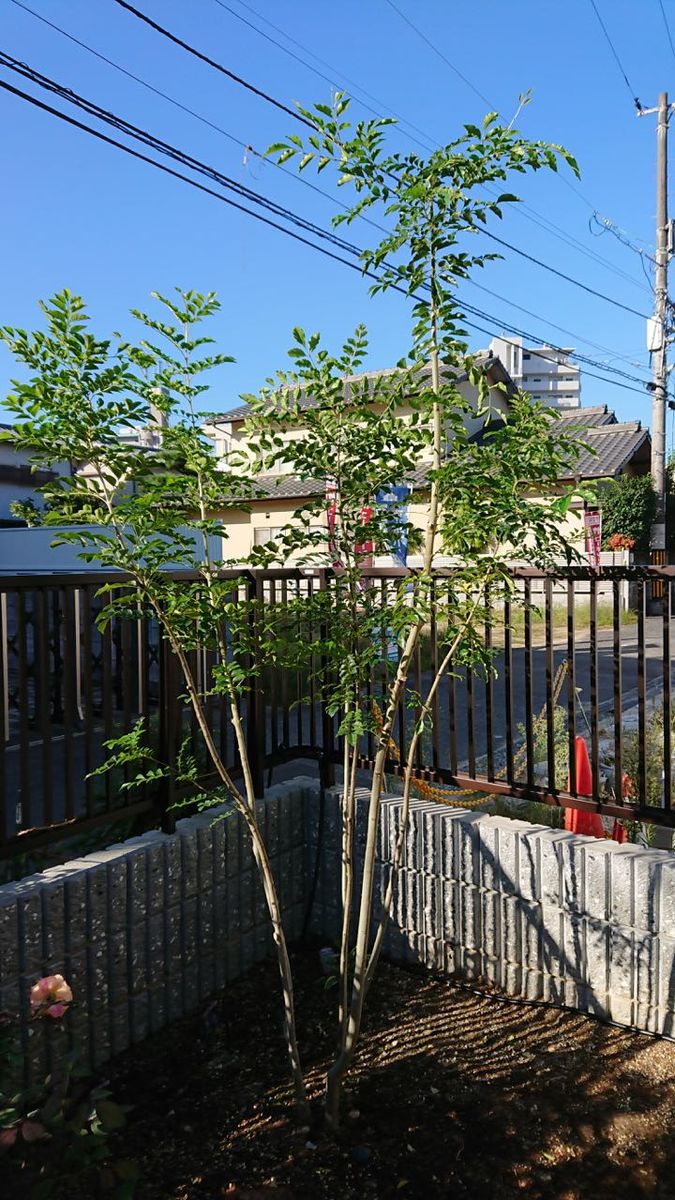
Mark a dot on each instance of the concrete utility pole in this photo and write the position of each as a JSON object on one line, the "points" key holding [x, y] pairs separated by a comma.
{"points": [[658, 330]]}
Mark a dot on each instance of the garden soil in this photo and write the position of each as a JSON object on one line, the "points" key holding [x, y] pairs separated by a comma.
{"points": [[454, 1094]]}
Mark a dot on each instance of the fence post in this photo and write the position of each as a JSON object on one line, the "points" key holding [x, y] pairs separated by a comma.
{"points": [[255, 708], [168, 706]]}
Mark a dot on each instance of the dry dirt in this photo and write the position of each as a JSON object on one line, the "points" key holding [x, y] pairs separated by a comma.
{"points": [[454, 1095]]}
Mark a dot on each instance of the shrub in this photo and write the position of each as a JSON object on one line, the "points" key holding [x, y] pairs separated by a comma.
{"points": [[628, 509]]}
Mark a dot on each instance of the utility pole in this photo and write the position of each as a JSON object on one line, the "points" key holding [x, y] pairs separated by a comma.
{"points": [[658, 330]]}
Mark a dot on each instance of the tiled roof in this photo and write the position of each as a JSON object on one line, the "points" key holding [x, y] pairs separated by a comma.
{"points": [[608, 449], [601, 415], [305, 401]]}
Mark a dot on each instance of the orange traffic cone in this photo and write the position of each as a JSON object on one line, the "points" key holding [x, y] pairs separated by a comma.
{"points": [[577, 821]]}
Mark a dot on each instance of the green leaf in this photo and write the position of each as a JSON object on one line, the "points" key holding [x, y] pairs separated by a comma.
{"points": [[110, 1114]]}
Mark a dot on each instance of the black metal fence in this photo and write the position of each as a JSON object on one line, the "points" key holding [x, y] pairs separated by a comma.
{"points": [[580, 654]]}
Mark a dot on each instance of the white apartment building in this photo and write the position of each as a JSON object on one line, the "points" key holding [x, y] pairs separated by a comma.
{"points": [[546, 373]]}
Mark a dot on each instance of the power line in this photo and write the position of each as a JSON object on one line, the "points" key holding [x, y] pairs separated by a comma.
{"points": [[439, 54], [103, 137], [171, 151], [130, 75], [247, 147], [619, 64], [195, 164], [212, 63], [340, 75], [667, 25], [570, 333], [304, 63], [246, 193], [562, 275], [218, 66], [530, 213]]}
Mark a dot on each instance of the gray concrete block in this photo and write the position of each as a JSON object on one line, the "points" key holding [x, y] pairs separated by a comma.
{"points": [[529, 869], [571, 850], [597, 857], [647, 885], [621, 964]]}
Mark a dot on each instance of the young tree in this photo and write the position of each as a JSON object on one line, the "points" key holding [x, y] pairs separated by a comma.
{"points": [[486, 501], [146, 512], [480, 507]]}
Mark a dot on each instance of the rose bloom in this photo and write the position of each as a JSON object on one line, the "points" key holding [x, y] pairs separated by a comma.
{"points": [[50, 997]]}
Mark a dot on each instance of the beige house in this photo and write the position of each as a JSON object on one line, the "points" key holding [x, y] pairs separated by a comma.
{"points": [[613, 449]]}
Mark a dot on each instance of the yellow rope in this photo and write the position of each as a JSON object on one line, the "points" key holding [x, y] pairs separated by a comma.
{"points": [[445, 795]]}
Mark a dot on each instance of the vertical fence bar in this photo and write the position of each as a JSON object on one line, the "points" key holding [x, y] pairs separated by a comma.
{"points": [[470, 730], [571, 689], [595, 713], [311, 690], [327, 762], [550, 715], [298, 670], [419, 760], [489, 691], [433, 658], [529, 708], [127, 681], [285, 721], [667, 707], [274, 683], [69, 702], [642, 709], [508, 690], [6, 825], [29, 816], [452, 708], [165, 790], [617, 690], [41, 659], [107, 698], [88, 697]]}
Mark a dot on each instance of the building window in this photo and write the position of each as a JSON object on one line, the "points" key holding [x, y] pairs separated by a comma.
{"points": [[527, 357], [263, 534]]}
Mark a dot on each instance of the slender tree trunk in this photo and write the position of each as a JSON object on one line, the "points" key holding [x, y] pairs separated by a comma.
{"points": [[349, 1039], [246, 806]]}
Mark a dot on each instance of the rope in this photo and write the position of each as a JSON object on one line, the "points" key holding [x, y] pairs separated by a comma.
{"points": [[446, 795]]}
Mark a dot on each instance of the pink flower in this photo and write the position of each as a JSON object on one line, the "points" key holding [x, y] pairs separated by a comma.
{"points": [[50, 997]]}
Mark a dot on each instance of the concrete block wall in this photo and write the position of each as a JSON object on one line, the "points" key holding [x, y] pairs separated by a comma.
{"points": [[540, 913], [145, 930]]}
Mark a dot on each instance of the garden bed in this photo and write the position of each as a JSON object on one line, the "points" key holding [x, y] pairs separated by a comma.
{"points": [[455, 1094]]}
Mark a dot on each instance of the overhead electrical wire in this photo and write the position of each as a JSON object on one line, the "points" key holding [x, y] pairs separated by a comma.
{"points": [[666, 22], [525, 210], [245, 146], [441, 55], [211, 62], [561, 275], [561, 328], [247, 194], [218, 66], [309, 67], [610, 43], [432, 45], [339, 76]]}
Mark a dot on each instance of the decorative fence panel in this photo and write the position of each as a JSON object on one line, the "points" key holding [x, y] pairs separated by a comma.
{"points": [[574, 654]]}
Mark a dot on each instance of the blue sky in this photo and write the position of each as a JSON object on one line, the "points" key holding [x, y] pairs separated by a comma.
{"points": [[80, 214]]}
